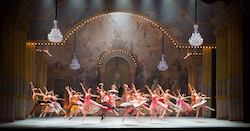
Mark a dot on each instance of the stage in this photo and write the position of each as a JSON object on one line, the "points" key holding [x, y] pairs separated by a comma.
{"points": [[110, 122]]}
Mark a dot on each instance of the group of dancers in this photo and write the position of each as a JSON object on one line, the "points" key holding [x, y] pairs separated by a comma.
{"points": [[135, 101]]}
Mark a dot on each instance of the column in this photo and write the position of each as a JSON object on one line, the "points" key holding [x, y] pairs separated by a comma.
{"points": [[207, 78], [132, 75], [235, 71], [221, 34], [101, 70], [8, 60]]}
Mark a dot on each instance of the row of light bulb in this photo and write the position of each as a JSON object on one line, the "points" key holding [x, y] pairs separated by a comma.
{"points": [[123, 51]]}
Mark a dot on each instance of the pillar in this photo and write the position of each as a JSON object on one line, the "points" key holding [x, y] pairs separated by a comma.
{"points": [[101, 70], [222, 109], [235, 71], [207, 78], [132, 75]]}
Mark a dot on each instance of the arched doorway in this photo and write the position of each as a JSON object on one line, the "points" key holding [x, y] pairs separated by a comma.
{"points": [[117, 70], [108, 64]]}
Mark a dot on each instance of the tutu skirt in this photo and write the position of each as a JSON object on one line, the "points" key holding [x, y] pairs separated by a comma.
{"points": [[90, 106], [125, 104], [137, 105], [157, 107]]}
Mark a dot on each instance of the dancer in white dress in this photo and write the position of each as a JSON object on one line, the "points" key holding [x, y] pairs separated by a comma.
{"points": [[200, 101], [140, 102], [129, 102]]}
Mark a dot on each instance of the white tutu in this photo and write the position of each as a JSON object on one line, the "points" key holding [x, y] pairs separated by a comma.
{"points": [[116, 91], [125, 104], [199, 104], [137, 105]]}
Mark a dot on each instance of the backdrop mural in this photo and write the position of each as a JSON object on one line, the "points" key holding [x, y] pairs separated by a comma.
{"points": [[119, 31]]}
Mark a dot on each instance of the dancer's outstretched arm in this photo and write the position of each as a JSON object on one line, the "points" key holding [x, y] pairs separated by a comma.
{"points": [[133, 87], [32, 87], [150, 92], [67, 88], [41, 92], [45, 89], [83, 88], [160, 89], [190, 88]]}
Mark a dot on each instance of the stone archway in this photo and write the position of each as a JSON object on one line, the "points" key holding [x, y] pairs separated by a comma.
{"points": [[105, 57]]}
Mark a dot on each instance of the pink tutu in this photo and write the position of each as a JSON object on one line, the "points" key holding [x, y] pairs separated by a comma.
{"points": [[48, 108], [157, 106], [90, 106], [183, 105]]}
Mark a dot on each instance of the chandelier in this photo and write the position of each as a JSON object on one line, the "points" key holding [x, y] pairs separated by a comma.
{"points": [[74, 64], [163, 64], [55, 34], [195, 39]]}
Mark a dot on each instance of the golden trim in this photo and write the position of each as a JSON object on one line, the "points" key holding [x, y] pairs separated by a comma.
{"points": [[222, 117], [44, 18]]}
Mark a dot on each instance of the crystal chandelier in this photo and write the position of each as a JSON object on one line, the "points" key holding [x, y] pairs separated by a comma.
{"points": [[74, 65], [55, 34], [163, 64], [195, 39]]}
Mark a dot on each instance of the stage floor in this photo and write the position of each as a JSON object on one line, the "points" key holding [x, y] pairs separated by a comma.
{"points": [[130, 122]]}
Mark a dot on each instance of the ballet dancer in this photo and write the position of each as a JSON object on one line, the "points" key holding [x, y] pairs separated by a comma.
{"points": [[90, 106], [71, 94], [200, 101], [129, 102], [113, 96], [166, 97], [140, 102], [106, 102], [35, 95], [180, 102], [193, 96], [77, 106], [57, 106], [156, 106], [47, 98]]}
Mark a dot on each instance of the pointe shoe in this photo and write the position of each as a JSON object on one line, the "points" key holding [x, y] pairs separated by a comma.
{"points": [[29, 116], [143, 114]]}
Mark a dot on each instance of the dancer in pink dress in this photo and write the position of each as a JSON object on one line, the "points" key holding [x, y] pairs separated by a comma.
{"points": [[57, 106], [166, 96], [156, 106], [90, 106], [181, 103]]}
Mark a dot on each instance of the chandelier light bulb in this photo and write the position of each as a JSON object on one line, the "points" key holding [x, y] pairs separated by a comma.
{"points": [[74, 65], [195, 39], [55, 34], [163, 64]]}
